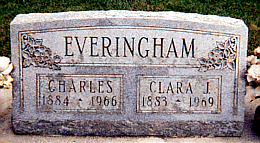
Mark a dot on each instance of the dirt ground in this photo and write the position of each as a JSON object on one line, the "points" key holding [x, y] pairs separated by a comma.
{"points": [[7, 135]]}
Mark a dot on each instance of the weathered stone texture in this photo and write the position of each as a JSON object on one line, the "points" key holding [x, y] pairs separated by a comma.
{"points": [[129, 128]]}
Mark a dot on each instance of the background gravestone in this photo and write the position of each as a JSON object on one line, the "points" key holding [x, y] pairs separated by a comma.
{"points": [[128, 73]]}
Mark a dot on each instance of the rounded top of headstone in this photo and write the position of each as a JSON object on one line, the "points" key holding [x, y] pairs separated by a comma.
{"points": [[164, 15]]}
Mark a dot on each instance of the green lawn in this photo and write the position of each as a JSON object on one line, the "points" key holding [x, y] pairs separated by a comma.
{"points": [[247, 10]]}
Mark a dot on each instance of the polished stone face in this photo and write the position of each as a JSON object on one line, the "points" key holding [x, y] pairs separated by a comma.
{"points": [[128, 73]]}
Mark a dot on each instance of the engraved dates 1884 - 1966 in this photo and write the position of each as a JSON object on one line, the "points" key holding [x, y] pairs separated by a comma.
{"points": [[84, 93]]}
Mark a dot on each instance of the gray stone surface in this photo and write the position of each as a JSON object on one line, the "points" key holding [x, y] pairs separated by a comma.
{"points": [[128, 73]]}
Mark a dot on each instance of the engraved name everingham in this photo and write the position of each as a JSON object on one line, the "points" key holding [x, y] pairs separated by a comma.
{"points": [[135, 73], [166, 49]]}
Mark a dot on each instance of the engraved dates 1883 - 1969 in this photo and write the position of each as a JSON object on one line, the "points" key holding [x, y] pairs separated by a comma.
{"points": [[180, 94]]}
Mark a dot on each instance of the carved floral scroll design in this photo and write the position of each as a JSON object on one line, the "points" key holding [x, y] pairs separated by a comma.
{"points": [[38, 55], [221, 57]]}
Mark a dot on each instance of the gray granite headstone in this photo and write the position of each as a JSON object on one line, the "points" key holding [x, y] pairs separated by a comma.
{"points": [[133, 73]]}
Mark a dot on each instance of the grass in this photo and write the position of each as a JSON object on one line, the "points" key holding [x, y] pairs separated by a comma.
{"points": [[247, 10]]}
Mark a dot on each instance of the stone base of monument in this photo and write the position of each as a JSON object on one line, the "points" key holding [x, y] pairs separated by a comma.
{"points": [[129, 128]]}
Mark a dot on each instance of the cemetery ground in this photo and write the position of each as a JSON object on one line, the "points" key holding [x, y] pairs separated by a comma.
{"points": [[7, 135], [247, 10]]}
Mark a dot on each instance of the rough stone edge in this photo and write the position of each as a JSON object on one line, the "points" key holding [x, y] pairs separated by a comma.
{"points": [[129, 128], [163, 15]]}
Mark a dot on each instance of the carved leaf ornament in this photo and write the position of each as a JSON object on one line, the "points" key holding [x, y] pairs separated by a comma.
{"points": [[38, 55], [221, 57]]}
